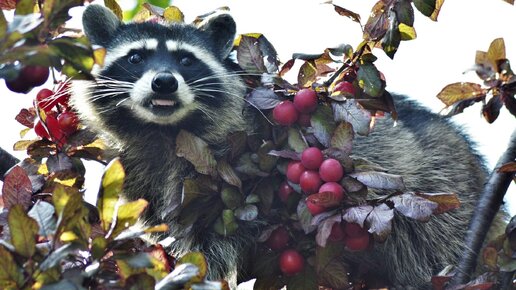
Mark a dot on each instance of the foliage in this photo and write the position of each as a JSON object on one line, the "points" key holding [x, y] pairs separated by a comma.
{"points": [[51, 238]]}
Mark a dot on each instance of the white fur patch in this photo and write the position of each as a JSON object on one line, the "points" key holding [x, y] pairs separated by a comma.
{"points": [[122, 50]]}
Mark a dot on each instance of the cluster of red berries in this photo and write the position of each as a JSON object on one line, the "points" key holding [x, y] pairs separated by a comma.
{"points": [[315, 175], [29, 77], [59, 121], [289, 112]]}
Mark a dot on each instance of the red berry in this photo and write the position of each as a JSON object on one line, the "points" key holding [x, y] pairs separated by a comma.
{"points": [[278, 239], [40, 130], [354, 230], [56, 134], [305, 101], [45, 99], [285, 191], [304, 120], [359, 243], [314, 208], [35, 75], [294, 170], [291, 262], [336, 234], [311, 158], [63, 94], [18, 85], [310, 181], [285, 113], [345, 87], [331, 170], [335, 188], [68, 122]]}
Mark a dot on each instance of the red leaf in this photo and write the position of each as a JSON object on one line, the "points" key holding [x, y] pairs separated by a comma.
{"points": [[17, 188], [508, 167], [7, 4], [26, 117]]}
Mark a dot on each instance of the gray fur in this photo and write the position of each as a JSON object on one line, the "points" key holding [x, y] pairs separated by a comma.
{"points": [[99, 16]]}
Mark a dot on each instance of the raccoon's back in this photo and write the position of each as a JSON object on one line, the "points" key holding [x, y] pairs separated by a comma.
{"points": [[431, 155]]}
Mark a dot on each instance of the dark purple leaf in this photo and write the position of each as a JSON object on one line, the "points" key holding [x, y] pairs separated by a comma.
{"points": [[380, 180], [413, 206], [343, 137], [357, 214], [324, 229], [351, 112], [263, 98], [59, 162], [17, 188], [323, 125], [491, 110], [26, 117], [380, 220]]}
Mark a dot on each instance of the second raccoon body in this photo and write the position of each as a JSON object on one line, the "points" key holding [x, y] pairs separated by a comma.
{"points": [[158, 80]]}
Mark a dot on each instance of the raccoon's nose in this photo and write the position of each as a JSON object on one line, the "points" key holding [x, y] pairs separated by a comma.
{"points": [[164, 83]]}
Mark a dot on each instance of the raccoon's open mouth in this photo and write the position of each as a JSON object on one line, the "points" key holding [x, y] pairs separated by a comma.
{"points": [[162, 107]]}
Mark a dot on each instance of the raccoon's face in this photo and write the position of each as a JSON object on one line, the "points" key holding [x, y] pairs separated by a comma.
{"points": [[159, 74]]}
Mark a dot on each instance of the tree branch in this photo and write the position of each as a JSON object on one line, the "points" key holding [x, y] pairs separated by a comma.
{"points": [[6, 162], [487, 207]]}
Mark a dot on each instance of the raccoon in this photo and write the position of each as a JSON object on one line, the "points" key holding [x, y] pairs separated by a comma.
{"points": [[159, 79]]}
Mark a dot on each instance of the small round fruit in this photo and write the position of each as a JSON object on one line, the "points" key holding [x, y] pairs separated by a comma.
{"points": [[305, 101], [40, 130], [359, 243], [278, 239], [304, 120], [291, 262], [68, 122], [284, 191], [335, 188], [18, 85], [336, 234], [35, 75], [45, 99], [314, 208], [285, 113], [345, 87], [294, 171], [311, 158], [354, 230], [310, 181], [63, 94], [331, 170]]}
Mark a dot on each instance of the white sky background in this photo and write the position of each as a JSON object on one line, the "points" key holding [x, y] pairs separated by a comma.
{"points": [[441, 53]]}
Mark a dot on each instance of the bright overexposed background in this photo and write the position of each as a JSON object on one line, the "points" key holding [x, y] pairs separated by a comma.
{"points": [[441, 53]]}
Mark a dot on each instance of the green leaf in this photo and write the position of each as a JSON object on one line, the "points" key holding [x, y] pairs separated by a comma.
{"points": [[75, 52], [226, 224], [127, 215], [323, 124], [266, 162], [231, 197], [404, 12], [496, 52], [305, 217], [140, 282], [3, 25], [456, 92], [369, 79], [197, 259], [304, 280], [196, 150], [23, 231], [10, 275], [112, 183], [295, 140], [307, 74], [98, 247], [24, 7], [342, 137], [392, 38], [228, 174], [58, 256], [43, 213], [426, 7]]}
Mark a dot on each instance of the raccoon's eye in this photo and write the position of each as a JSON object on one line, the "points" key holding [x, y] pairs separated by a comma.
{"points": [[186, 61], [135, 58]]}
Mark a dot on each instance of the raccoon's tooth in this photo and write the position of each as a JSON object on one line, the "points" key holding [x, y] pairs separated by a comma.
{"points": [[161, 102]]}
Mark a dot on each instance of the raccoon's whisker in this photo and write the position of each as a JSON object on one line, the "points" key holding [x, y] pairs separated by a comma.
{"points": [[119, 103], [206, 113], [235, 95], [217, 76]]}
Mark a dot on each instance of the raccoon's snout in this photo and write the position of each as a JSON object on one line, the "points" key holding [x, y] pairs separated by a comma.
{"points": [[164, 83]]}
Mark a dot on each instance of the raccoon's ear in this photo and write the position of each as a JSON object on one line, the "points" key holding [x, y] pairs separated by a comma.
{"points": [[221, 28], [99, 24]]}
